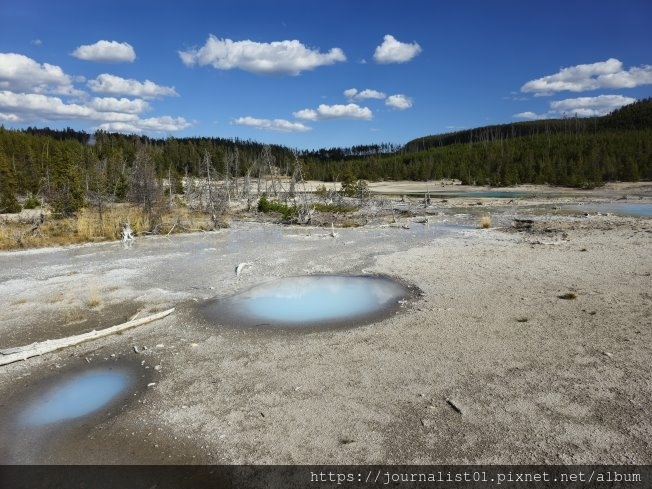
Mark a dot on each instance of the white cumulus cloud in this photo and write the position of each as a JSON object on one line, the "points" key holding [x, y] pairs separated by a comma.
{"points": [[394, 51], [280, 125], [115, 85], [106, 52], [580, 78], [367, 93], [273, 58], [399, 101], [349, 111], [20, 73]]}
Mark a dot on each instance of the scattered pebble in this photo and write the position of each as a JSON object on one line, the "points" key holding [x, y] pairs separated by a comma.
{"points": [[454, 405]]}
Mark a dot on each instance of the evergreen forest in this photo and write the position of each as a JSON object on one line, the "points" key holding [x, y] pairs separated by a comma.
{"points": [[69, 169]]}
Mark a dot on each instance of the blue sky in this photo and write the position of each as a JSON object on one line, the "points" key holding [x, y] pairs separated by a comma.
{"points": [[310, 74]]}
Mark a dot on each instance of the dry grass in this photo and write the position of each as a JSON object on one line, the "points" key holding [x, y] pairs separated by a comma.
{"points": [[87, 226], [485, 221], [74, 316], [94, 297]]}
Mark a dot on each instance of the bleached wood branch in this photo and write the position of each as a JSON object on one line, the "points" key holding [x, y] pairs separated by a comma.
{"points": [[39, 348]]}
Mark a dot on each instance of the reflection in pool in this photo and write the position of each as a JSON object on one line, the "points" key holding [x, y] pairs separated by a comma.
{"points": [[77, 396], [309, 301]]}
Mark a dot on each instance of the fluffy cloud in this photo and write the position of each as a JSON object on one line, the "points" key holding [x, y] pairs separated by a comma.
{"points": [[115, 85], [349, 111], [35, 92], [394, 51], [19, 73], [274, 58], [153, 124], [580, 106], [399, 101], [106, 52], [364, 94], [280, 125], [111, 104], [580, 78]]}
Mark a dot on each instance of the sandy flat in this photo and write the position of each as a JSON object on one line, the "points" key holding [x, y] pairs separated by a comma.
{"points": [[485, 364]]}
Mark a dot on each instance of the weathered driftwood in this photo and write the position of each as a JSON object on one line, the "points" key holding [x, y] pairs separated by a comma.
{"points": [[39, 348]]}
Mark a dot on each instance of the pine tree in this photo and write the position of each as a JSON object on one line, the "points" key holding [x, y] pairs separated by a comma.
{"points": [[8, 202]]}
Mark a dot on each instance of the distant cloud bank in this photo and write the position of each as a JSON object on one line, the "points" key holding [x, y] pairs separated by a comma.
{"points": [[584, 77], [280, 125], [609, 74], [33, 91], [581, 107]]}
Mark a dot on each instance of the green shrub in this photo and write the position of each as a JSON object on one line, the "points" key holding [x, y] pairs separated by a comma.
{"points": [[265, 205], [32, 202], [321, 191]]}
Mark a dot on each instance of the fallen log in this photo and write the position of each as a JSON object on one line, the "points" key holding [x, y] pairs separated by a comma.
{"points": [[11, 355]]}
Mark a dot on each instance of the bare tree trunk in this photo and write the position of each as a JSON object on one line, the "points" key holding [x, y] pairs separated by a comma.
{"points": [[227, 173], [24, 352], [236, 170], [170, 184], [268, 160]]}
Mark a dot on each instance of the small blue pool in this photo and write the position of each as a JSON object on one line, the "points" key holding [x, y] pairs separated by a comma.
{"points": [[310, 301], [75, 397]]}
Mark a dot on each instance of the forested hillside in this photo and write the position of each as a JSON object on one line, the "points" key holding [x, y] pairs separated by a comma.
{"points": [[570, 152], [70, 168]]}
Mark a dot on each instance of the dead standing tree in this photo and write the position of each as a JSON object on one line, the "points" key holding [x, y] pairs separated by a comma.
{"points": [[145, 188], [304, 211], [217, 199], [232, 167], [267, 161]]}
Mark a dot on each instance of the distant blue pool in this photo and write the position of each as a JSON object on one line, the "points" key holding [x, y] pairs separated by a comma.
{"points": [[623, 208], [309, 301], [476, 194], [78, 396]]}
